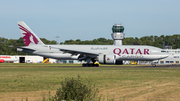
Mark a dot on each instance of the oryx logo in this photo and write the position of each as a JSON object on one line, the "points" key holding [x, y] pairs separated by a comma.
{"points": [[28, 36]]}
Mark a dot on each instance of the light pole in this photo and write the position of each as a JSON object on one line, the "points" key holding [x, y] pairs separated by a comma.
{"points": [[56, 38]]}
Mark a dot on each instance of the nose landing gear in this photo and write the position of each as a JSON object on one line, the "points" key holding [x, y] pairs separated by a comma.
{"points": [[153, 64]]}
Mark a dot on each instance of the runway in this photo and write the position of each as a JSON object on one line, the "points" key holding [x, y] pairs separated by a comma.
{"points": [[125, 66], [142, 66]]}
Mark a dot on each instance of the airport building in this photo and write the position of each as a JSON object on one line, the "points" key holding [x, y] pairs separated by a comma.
{"points": [[40, 59], [117, 34], [31, 59], [174, 56]]}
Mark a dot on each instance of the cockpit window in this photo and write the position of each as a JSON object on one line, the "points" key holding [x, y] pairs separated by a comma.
{"points": [[163, 51]]}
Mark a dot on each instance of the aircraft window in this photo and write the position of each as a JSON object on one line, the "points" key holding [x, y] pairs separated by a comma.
{"points": [[163, 51], [118, 29], [162, 62]]}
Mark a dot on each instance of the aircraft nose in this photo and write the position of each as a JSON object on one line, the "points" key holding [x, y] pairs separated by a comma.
{"points": [[164, 56]]}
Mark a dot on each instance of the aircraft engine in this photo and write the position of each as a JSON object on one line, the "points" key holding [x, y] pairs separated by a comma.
{"points": [[108, 59], [1, 61]]}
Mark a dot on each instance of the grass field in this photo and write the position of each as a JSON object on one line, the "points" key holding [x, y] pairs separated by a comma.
{"points": [[18, 81]]}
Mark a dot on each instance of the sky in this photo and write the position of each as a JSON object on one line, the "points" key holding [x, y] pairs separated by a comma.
{"points": [[89, 19]]}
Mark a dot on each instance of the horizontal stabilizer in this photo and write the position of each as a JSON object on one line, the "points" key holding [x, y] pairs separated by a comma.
{"points": [[22, 48]]}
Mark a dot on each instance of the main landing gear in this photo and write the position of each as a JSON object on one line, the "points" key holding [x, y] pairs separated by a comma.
{"points": [[153, 64], [90, 65]]}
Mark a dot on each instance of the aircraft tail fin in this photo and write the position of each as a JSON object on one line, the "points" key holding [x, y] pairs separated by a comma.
{"points": [[29, 36]]}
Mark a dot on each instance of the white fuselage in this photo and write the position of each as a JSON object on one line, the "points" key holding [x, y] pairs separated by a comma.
{"points": [[123, 52]]}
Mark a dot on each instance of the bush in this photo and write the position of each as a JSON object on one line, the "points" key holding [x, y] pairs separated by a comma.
{"points": [[77, 90]]}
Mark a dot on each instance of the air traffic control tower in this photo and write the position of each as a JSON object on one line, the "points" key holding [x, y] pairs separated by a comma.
{"points": [[118, 34]]}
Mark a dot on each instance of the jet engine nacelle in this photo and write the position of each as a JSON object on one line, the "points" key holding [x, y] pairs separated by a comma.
{"points": [[1, 61], [108, 59]]}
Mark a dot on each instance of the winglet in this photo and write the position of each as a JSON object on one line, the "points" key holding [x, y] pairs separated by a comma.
{"points": [[29, 36]]}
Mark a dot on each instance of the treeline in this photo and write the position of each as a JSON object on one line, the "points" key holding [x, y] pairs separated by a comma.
{"points": [[99, 41], [156, 41]]}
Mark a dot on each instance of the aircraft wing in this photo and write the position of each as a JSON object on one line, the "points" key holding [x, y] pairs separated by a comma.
{"points": [[76, 52]]}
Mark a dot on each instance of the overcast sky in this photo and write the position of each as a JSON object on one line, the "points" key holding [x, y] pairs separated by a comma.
{"points": [[89, 19]]}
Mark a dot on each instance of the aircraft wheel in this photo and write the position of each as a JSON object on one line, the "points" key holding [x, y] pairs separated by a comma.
{"points": [[97, 65], [84, 65], [154, 65], [90, 65]]}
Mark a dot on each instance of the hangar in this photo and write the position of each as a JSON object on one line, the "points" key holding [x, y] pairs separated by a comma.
{"points": [[32, 59], [40, 59]]}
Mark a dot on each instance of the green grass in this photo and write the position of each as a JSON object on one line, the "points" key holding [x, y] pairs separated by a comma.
{"points": [[126, 83]]}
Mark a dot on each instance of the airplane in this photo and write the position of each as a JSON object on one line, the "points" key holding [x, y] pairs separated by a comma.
{"points": [[7, 58], [104, 54]]}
